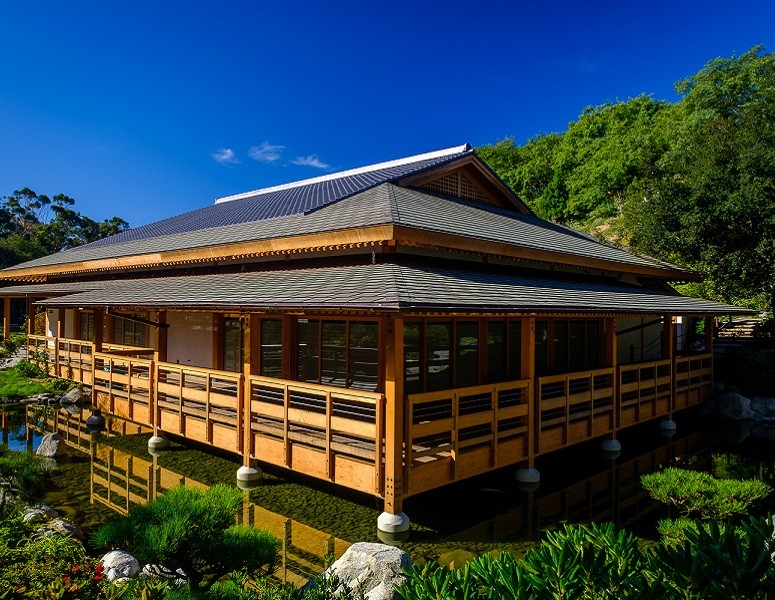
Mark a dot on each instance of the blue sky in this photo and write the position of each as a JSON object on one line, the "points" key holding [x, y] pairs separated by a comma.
{"points": [[147, 109]]}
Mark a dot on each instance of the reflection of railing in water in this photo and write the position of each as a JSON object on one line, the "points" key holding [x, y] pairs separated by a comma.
{"points": [[121, 480]]}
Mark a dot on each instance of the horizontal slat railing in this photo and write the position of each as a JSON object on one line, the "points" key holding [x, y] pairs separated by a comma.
{"points": [[693, 376], [201, 404], [455, 434], [124, 386], [574, 407], [74, 360], [329, 432], [645, 391], [43, 350]]}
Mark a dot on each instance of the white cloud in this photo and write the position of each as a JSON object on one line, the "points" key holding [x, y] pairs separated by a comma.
{"points": [[266, 152], [225, 156], [311, 160]]}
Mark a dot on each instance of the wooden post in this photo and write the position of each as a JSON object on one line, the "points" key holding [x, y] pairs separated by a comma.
{"points": [[7, 317], [288, 347], [160, 343], [710, 323], [61, 322], [528, 371], [249, 358], [107, 328], [668, 353], [30, 316], [77, 324], [394, 414], [612, 360]]}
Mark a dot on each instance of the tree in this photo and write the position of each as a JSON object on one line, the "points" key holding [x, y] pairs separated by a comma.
{"points": [[34, 225], [194, 531]]}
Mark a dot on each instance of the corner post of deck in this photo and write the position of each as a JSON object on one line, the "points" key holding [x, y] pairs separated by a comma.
{"points": [[160, 341], [668, 353], [249, 473], [612, 445], [6, 317], [393, 520], [529, 475], [30, 315]]}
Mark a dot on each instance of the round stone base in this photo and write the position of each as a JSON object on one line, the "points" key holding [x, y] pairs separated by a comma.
{"points": [[611, 445], [249, 474], [530, 475], [393, 523], [392, 539], [157, 442], [668, 425]]}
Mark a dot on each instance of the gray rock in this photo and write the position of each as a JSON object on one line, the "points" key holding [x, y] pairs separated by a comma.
{"points": [[66, 528], [372, 569], [121, 564], [40, 512], [763, 408], [178, 577], [74, 396], [51, 446], [763, 431], [29, 400], [734, 406]]}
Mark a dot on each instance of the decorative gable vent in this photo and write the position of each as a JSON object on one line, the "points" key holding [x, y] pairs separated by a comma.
{"points": [[457, 184]]}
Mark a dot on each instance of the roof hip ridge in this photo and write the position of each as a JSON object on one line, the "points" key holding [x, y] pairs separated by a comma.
{"points": [[348, 173]]}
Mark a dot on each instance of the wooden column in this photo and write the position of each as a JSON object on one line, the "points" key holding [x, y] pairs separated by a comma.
{"points": [[710, 323], [289, 347], [250, 352], [611, 360], [30, 316], [160, 343], [98, 332], [394, 414], [61, 322], [107, 328], [77, 324], [6, 317], [668, 352], [528, 368]]}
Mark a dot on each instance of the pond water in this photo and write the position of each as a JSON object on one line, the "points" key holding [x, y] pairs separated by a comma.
{"points": [[106, 474]]}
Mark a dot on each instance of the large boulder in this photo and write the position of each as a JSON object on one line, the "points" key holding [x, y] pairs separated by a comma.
{"points": [[39, 512], [734, 406], [763, 408], [118, 564], [51, 446], [372, 569], [76, 396]]}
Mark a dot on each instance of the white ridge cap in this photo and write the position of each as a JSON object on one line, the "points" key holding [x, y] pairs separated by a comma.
{"points": [[383, 165]]}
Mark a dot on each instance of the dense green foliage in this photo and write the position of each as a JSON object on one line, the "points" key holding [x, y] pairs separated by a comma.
{"points": [[33, 225], [597, 562], [192, 530], [21, 477], [692, 182]]}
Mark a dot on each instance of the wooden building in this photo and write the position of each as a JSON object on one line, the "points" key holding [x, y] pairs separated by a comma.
{"points": [[392, 329]]}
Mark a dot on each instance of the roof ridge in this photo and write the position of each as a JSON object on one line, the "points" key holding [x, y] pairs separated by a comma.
{"points": [[348, 173]]}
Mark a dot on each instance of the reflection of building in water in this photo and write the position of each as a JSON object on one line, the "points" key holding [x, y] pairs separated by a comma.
{"points": [[121, 480]]}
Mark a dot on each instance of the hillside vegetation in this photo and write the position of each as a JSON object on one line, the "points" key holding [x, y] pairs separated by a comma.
{"points": [[691, 182]]}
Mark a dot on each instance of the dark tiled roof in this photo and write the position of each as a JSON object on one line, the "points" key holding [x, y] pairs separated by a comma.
{"points": [[272, 203], [391, 286], [385, 204]]}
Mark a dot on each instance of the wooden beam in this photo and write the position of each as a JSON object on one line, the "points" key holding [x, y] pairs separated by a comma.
{"points": [[611, 360], [394, 414], [98, 330], [77, 324], [6, 317], [30, 316], [289, 347], [61, 322]]}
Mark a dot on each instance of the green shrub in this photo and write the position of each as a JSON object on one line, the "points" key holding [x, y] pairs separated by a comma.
{"points": [[700, 494], [23, 476], [29, 368], [765, 330], [193, 530]]}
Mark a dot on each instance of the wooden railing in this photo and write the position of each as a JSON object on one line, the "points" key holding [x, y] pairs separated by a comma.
{"points": [[123, 350], [43, 349], [693, 376], [328, 432], [574, 407], [454, 434], [74, 360], [645, 390], [124, 386], [201, 404]]}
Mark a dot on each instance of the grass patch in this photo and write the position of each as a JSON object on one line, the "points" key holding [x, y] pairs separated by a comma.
{"points": [[15, 385]]}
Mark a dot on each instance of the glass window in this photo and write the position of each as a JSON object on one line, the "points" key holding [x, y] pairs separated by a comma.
{"points": [[87, 327], [576, 347], [438, 346], [466, 354], [131, 333], [515, 350], [232, 345], [271, 359], [542, 348], [593, 345], [364, 356], [412, 361], [560, 346], [496, 351], [308, 356], [333, 368]]}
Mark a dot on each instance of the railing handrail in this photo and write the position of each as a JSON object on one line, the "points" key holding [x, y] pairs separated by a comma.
{"points": [[315, 387], [107, 356], [574, 375], [420, 397], [644, 365], [200, 371]]}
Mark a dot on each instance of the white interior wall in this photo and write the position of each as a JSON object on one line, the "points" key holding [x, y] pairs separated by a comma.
{"points": [[52, 320], [190, 339], [70, 325]]}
